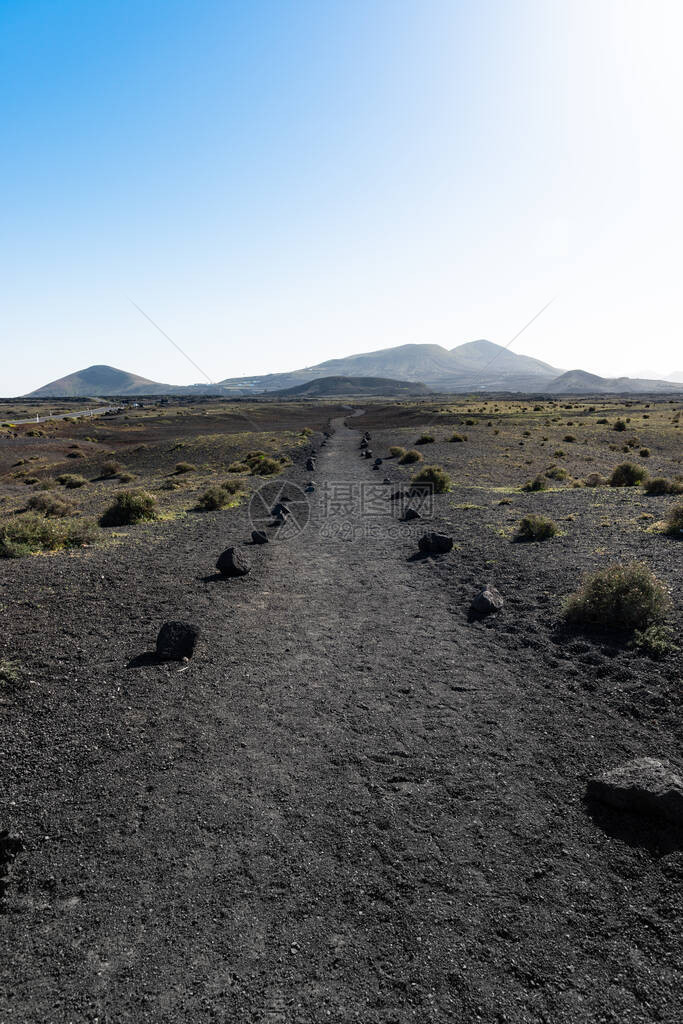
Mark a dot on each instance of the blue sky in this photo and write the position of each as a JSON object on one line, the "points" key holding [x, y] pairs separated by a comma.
{"points": [[281, 183]]}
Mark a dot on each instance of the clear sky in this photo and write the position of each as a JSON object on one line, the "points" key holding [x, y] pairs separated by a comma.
{"points": [[278, 183]]}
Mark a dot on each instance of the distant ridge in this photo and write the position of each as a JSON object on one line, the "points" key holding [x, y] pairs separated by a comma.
{"points": [[100, 380], [475, 366], [322, 387]]}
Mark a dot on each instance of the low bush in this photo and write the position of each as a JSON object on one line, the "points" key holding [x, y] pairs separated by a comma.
{"points": [[674, 522], [619, 425], [456, 438], [655, 641], [110, 470], [238, 467], [33, 533], [184, 467], [569, 438], [10, 673], [232, 486], [595, 480], [396, 451], [125, 477], [644, 453], [535, 527], [437, 477], [619, 598], [627, 474], [130, 507], [71, 480], [49, 505], [75, 455], [425, 439], [214, 498], [537, 484], [410, 456], [265, 466], [556, 473], [660, 485]]}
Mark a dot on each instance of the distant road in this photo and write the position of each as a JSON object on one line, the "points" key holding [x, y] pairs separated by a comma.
{"points": [[64, 415]]}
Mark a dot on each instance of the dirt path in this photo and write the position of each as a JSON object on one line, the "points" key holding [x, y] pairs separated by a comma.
{"points": [[351, 806]]}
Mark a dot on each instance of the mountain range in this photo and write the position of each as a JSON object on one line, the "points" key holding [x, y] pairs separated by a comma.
{"points": [[475, 366]]}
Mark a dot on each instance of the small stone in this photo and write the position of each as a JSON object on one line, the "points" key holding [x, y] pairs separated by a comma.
{"points": [[309, 488], [435, 544], [280, 509], [411, 513], [488, 600], [177, 640], [259, 537], [310, 465], [643, 786], [232, 563]]}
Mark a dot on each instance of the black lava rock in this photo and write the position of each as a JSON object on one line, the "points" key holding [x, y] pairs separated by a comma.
{"points": [[177, 640], [232, 563], [435, 544], [259, 537]]}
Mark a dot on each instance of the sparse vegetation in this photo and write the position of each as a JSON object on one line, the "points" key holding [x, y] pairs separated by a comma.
{"points": [[660, 485], [217, 497], [425, 439], [396, 451], [130, 507], [674, 522], [656, 641], [627, 474], [264, 466], [110, 470], [620, 598], [410, 456], [539, 483], [184, 467], [33, 533], [49, 505], [534, 527], [456, 438], [435, 476]]}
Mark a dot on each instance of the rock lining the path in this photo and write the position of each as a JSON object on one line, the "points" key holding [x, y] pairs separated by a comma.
{"points": [[233, 563], [643, 786], [177, 640]]}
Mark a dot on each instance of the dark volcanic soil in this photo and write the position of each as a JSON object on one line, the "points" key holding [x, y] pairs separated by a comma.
{"points": [[351, 805]]}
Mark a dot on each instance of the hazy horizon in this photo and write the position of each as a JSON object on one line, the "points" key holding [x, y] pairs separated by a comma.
{"points": [[278, 185]]}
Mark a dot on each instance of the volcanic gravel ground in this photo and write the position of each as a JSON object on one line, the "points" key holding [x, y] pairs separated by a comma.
{"points": [[352, 804]]}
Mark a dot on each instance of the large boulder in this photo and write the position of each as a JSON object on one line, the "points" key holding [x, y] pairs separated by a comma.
{"points": [[177, 640], [487, 600], [643, 786], [233, 563], [435, 544]]}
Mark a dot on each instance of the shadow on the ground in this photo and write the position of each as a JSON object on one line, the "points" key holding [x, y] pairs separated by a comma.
{"points": [[148, 658], [658, 837]]}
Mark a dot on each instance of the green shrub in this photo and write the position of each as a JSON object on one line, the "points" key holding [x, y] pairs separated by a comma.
{"points": [[265, 466], [660, 485], [619, 425], [456, 438], [128, 508], [11, 674], [595, 480], [184, 467], [232, 486], [537, 484], [627, 474], [75, 455], [110, 470], [556, 473], [396, 451], [49, 505], [644, 453], [434, 475], [214, 498], [71, 480], [33, 533], [535, 527], [238, 467], [674, 522], [655, 641], [425, 439], [409, 457], [620, 598]]}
